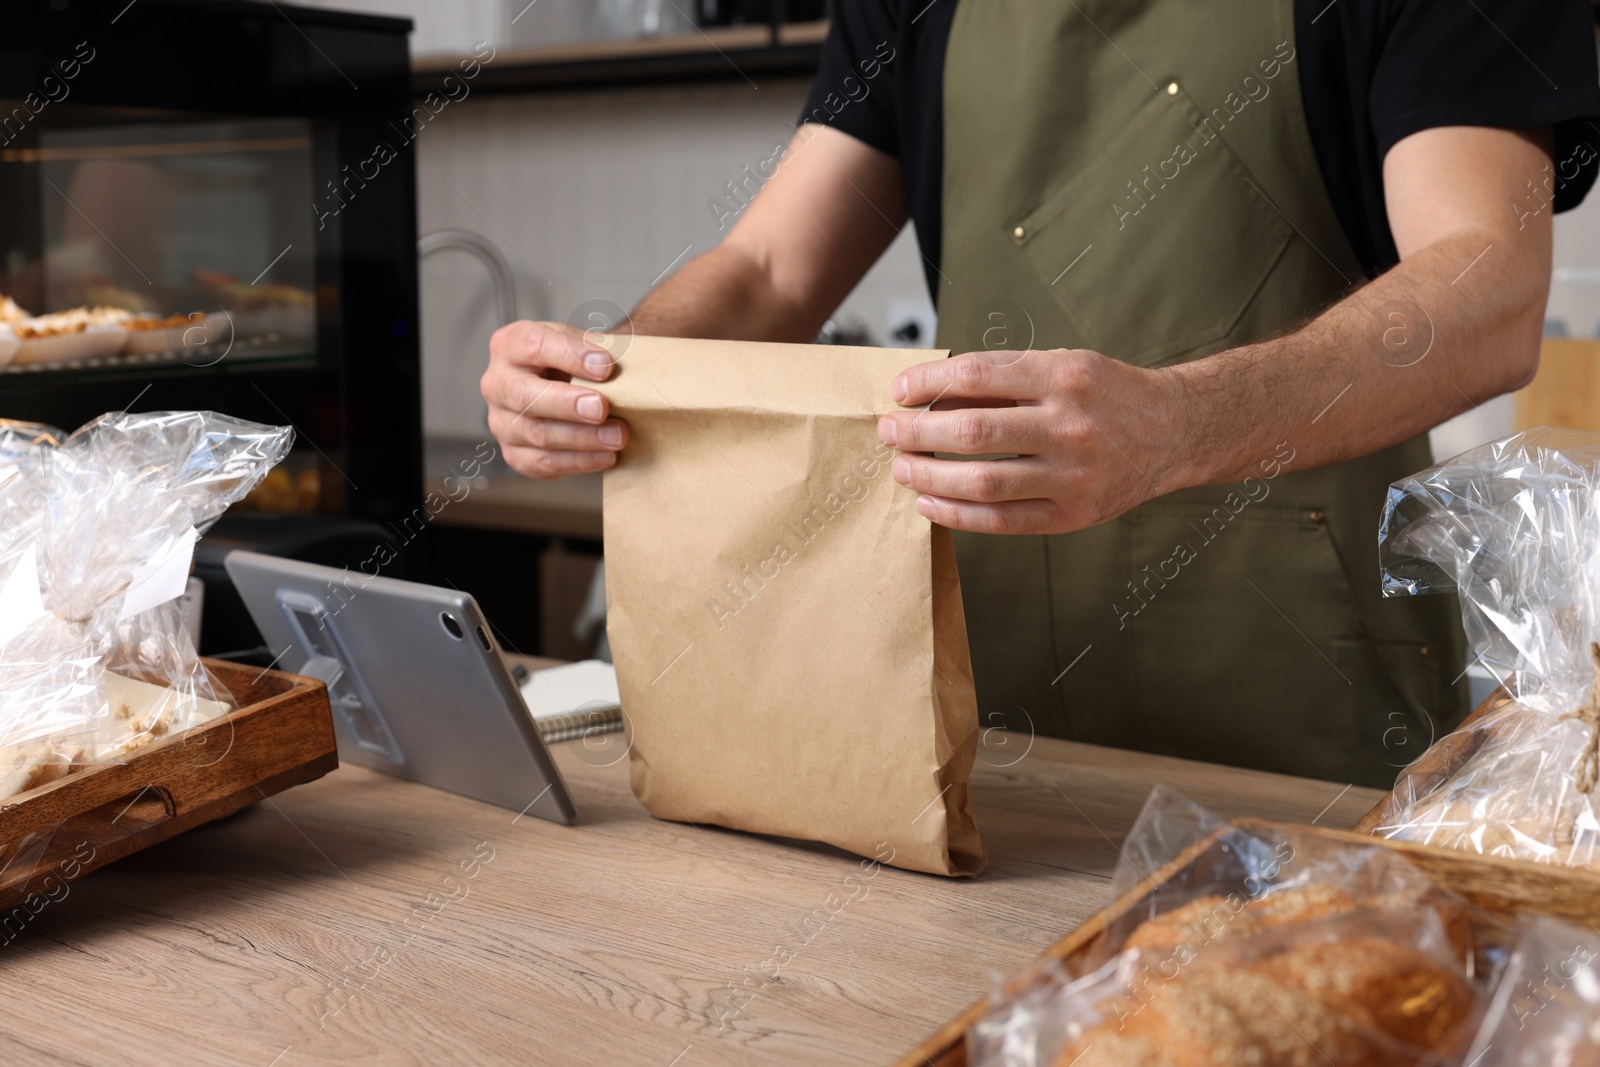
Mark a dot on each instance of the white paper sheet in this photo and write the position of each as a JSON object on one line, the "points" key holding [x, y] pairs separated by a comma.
{"points": [[163, 577], [21, 603], [588, 685]]}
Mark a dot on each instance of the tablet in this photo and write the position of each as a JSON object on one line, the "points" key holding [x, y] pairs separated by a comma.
{"points": [[418, 685]]}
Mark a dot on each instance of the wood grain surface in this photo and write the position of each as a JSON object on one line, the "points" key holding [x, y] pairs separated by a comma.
{"points": [[363, 919]]}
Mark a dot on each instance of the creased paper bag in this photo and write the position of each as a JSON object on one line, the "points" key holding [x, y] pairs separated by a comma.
{"points": [[787, 630]]}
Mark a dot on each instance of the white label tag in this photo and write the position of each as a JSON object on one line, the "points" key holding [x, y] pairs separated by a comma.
{"points": [[161, 578], [21, 604]]}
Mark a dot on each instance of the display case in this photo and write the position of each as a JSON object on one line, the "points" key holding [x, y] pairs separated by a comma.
{"points": [[211, 204], [183, 242]]}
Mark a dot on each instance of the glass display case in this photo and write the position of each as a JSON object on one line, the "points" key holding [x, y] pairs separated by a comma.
{"points": [[157, 240], [210, 204]]}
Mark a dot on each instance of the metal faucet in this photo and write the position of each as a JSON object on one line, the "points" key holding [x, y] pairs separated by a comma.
{"points": [[505, 290]]}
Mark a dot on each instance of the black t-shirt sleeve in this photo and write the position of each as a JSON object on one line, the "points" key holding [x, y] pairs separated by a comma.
{"points": [[850, 93], [1506, 63]]}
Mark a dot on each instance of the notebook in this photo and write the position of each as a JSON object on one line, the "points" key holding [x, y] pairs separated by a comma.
{"points": [[573, 700]]}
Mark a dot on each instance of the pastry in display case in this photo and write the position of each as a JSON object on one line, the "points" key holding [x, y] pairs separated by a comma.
{"points": [[165, 242]]}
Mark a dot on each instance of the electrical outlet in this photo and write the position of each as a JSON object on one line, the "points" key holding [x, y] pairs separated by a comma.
{"points": [[910, 324]]}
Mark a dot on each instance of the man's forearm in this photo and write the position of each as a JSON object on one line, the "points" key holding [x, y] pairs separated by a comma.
{"points": [[723, 294], [817, 226], [1450, 327], [1457, 322]]}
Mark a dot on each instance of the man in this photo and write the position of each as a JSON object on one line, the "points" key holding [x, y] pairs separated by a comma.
{"points": [[1343, 207]]}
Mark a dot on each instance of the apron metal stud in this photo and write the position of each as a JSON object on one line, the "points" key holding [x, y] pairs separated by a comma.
{"points": [[1423, 651], [1317, 517], [1019, 233], [1172, 89]]}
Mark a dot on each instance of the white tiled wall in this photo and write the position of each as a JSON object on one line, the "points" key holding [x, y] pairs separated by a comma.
{"points": [[591, 196], [1575, 290]]}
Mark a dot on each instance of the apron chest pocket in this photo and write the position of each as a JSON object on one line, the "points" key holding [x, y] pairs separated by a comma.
{"points": [[1165, 222]]}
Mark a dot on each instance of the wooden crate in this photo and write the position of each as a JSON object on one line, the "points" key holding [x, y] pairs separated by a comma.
{"points": [[1499, 885], [281, 735]]}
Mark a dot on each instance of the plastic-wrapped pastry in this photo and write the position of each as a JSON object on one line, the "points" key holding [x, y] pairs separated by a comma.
{"points": [[1356, 992], [97, 535], [1272, 947], [1210, 918], [1514, 527], [1546, 1009]]}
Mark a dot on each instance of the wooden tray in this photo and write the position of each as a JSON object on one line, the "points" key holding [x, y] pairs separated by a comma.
{"points": [[281, 735], [1499, 885]]}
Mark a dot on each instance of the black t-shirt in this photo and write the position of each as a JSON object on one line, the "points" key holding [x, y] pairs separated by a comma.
{"points": [[1372, 72]]}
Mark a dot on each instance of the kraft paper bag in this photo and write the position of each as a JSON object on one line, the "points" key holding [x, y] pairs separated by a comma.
{"points": [[787, 630]]}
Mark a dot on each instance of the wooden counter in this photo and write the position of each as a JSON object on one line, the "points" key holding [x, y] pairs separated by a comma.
{"points": [[567, 507], [363, 919]]}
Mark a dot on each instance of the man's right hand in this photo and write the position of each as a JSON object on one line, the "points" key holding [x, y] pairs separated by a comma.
{"points": [[548, 424]]}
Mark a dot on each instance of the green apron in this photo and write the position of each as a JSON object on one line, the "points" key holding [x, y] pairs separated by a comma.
{"points": [[1136, 177]]}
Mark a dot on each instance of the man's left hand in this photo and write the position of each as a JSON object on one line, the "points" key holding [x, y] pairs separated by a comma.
{"points": [[1089, 438]]}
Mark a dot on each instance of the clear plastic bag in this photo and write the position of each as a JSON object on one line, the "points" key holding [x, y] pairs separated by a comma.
{"points": [[1514, 528], [97, 531], [1546, 1010], [1274, 905]]}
